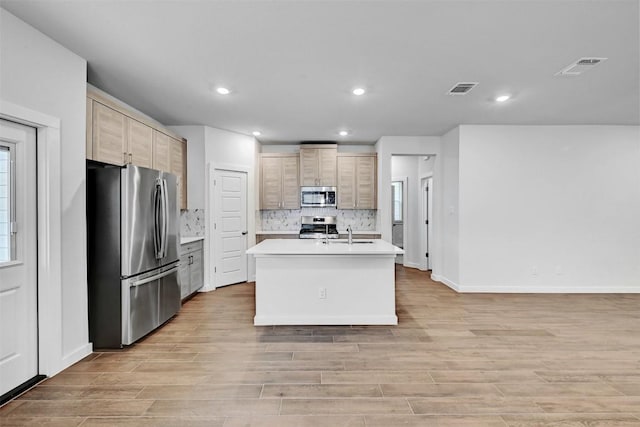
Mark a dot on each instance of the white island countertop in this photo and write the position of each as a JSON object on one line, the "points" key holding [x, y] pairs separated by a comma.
{"points": [[318, 247]]}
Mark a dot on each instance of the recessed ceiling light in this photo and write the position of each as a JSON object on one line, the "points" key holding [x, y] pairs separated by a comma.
{"points": [[223, 91], [256, 133], [343, 133], [359, 91], [502, 98]]}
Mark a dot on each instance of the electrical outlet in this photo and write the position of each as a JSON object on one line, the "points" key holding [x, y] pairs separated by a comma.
{"points": [[322, 293]]}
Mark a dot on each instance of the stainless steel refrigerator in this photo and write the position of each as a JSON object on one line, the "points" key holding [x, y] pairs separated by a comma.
{"points": [[132, 220]]}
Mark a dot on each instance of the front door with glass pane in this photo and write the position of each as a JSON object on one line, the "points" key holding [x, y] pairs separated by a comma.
{"points": [[18, 256]]}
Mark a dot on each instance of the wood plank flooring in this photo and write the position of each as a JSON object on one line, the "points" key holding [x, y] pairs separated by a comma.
{"points": [[453, 360]]}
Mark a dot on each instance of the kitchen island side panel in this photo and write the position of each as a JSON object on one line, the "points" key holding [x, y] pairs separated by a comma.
{"points": [[325, 290]]}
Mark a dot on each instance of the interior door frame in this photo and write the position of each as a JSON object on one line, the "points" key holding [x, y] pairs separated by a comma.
{"points": [[209, 243], [426, 233], [405, 215], [49, 247]]}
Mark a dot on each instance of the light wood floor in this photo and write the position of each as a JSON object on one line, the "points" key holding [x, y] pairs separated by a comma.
{"points": [[454, 360]]}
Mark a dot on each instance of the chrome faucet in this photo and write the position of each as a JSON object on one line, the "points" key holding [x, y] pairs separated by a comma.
{"points": [[350, 231]]}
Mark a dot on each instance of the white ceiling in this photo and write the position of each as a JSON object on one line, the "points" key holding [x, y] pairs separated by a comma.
{"points": [[292, 65]]}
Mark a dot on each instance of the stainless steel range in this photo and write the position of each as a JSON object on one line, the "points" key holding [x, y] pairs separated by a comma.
{"points": [[318, 227]]}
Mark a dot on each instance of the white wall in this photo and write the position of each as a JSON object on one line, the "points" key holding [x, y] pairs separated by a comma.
{"points": [[39, 74], [549, 208], [449, 273], [228, 150], [386, 147]]}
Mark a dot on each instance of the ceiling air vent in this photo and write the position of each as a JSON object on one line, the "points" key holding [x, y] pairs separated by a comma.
{"points": [[580, 66], [462, 88]]}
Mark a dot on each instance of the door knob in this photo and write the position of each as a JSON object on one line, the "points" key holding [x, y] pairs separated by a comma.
{"points": [[244, 233]]}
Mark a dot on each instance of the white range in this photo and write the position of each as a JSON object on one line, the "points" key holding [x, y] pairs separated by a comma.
{"points": [[310, 282]]}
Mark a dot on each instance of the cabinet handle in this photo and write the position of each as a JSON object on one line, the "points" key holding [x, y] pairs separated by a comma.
{"points": [[130, 158], [125, 158]]}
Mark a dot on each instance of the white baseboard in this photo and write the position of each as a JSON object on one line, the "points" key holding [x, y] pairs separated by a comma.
{"points": [[450, 283], [325, 320], [73, 357], [412, 265], [527, 289], [207, 288]]}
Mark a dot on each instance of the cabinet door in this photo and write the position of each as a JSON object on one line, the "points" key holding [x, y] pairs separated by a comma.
{"points": [[327, 166], [183, 276], [365, 182], [140, 145], [176, 167], [89, 140], [109, 135], [271, 188], [309, 166], [346, 183], [196, 272], [290, 185], [161, 152]]}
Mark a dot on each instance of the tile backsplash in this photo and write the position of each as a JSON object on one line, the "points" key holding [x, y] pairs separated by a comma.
{"points": [[192, 223], [289, 219]]}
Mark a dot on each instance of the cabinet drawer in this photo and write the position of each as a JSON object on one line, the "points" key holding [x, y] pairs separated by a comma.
{"points": [[191, 247]]}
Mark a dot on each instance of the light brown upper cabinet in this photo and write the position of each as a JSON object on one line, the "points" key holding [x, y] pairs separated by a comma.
{"points": [[109, 135], [178, 167], [140, 137], [356, 181], [161, 151], [318, 165], [119, 136], [279, 185], [118, 139]]}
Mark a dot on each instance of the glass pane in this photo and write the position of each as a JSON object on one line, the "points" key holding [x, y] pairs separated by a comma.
{"points": [[5, 205]]}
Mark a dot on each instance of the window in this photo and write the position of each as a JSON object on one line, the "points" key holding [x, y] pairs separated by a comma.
{"points": [[396, 190], [5, 204]]}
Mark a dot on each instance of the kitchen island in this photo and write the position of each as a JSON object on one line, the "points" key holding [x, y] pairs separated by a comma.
{"points": [[310, 282]]}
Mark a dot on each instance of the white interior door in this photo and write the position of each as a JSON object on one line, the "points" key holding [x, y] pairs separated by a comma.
{"points": [[230, 227], [18, 256]]}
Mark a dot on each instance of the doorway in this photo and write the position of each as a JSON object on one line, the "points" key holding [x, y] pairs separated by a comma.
{"points": [[408, 172], [230, 227], [18, 258], [398, 214]]}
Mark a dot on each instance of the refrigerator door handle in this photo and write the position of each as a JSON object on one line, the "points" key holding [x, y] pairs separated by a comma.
{"points": [[154, 277], [165, 218], [157, 202]]}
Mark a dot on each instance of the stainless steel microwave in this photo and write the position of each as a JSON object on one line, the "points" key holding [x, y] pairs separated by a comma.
{"points": [[317, 197]]}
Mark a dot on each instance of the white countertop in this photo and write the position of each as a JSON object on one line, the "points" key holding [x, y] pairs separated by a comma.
{"points": [[278, 232], [318, 247], [187, 240]]}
